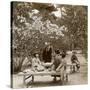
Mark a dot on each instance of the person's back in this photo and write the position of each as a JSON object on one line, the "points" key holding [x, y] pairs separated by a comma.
{"points": [[57, 60], [58, 65]]}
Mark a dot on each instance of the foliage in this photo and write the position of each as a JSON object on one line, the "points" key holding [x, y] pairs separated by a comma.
{"points": [[75, 19]]}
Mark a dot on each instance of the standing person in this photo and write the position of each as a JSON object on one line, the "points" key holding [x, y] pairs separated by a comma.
{"points": [[47, 53], [74, 60]]}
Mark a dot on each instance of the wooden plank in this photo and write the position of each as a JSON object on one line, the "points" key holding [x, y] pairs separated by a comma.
{"points": [[75, 64], [45, 73], [28, 77], [70, 64], [40, 73]]}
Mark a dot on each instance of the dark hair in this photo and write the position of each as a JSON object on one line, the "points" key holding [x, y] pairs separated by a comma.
{"points": [[57, 51], [63, 55]]}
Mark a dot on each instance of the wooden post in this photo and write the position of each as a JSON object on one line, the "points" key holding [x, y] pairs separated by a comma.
{"points": [[24, 83], [71, 67], [32, 78], [67, 77]]}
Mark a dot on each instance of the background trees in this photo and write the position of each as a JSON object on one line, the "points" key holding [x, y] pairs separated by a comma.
{"points": [[75, 19]]}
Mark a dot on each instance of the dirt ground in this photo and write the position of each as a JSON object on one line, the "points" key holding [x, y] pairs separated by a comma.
{"points": [[76, 78]]}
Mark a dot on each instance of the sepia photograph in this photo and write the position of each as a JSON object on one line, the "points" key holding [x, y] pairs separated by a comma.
{"points": [[49, 44]]}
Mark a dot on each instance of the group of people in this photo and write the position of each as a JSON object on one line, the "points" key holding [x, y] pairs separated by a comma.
{"points": [[56, 63], [52, 60]]}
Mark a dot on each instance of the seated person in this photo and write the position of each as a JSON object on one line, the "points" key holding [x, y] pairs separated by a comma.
{"points": [[74, 60], [58, 64], [36, 63]]}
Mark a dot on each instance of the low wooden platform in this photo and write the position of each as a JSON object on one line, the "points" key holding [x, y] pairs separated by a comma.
{"points": [[31, 75]]}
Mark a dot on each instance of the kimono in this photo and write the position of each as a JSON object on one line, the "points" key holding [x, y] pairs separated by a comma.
{"points": [[36, 65], [47, 54]]}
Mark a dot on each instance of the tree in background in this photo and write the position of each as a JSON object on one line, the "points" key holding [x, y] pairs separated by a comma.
{"points": [[74, 18]]}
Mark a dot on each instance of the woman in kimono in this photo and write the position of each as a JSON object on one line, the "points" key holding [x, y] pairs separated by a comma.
{"points": [[36, 63]]}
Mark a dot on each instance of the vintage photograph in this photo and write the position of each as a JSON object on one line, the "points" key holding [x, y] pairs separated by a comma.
{"points": [[48, 44]]}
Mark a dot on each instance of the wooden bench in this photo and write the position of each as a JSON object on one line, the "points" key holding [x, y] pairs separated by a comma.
{"points": [[27, 75], [32, 74]]}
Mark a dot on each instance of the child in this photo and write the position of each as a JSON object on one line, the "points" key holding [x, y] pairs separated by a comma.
{"points": [[75, 60], [36, 63]]}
